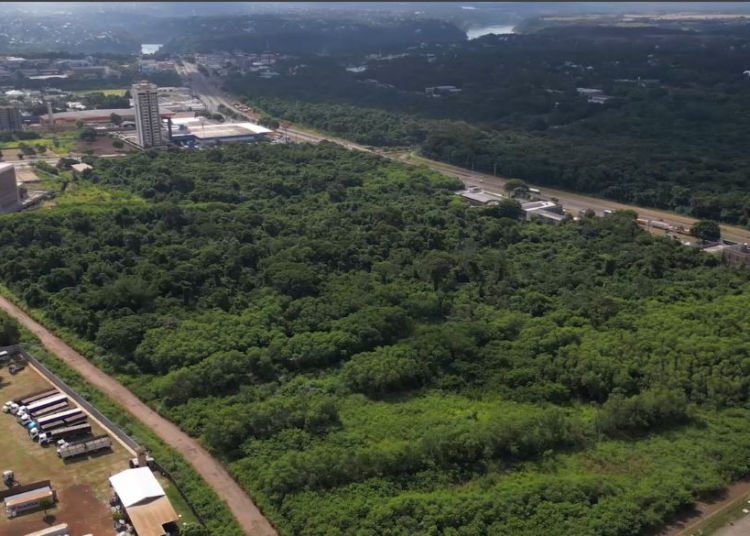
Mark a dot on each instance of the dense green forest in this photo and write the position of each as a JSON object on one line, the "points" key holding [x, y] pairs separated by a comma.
{"points": [[302, 34], [675, 140], [369, 355]]}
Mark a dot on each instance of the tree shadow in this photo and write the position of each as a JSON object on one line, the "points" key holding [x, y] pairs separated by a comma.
{"points": [[50, 519]]}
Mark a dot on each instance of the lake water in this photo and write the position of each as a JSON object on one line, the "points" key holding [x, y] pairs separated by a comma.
{"points": [[473, 33], [150, 49]]}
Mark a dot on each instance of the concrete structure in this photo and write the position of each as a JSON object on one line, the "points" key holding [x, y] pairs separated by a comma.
{"points": [[147, 118], [441, 90], [476, 196], [144, 501], [10, 201], [80, 168], [198, 131], [10, 118], [57, 530]]}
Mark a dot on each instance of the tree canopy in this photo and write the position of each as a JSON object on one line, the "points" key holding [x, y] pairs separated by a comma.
{"points": [[369, 354]]}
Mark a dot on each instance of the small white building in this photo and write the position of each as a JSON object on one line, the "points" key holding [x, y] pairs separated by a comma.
{"points": [[476, 196]]}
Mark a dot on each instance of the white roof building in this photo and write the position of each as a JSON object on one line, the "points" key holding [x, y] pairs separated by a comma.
{"points": [[136, 485], [144, 501]]}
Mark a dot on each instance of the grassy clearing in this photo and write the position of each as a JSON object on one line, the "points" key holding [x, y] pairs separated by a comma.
{"points": [[116, 92], [95, 196]]}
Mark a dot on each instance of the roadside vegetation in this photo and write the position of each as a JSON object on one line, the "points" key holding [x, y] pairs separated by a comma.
{"points": [[370, 355]]}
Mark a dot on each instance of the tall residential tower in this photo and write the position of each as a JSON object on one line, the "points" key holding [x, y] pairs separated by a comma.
{"points": [[147, 119]]}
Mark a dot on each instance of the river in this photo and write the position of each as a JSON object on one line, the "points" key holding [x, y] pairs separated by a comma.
{"points": [[473, 33], [150, 49]]}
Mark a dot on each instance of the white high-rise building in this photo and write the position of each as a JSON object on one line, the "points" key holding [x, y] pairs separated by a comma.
{"points": [[147, 119]]}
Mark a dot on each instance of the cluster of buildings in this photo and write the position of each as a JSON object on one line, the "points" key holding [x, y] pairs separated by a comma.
{"points": [[179, 99], [594, 96], [539, 210], [223, 62], [156, 128], [155, 66], [46, 68]]}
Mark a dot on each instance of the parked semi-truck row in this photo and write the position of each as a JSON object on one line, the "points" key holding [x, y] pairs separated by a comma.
{"points": [[84, 446], [12, 405], [70, 421]]}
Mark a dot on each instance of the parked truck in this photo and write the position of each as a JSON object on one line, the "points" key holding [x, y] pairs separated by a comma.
{"points": [[42, 404], [661, 225], [54, 417], [12, 406], [67, 433], [70, 421], [23, 418], [84, 446]]}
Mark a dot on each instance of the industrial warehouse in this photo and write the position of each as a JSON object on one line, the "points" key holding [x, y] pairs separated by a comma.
{"points": [[197, 131]]}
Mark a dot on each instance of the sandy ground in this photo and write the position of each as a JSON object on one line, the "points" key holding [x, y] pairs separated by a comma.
{"points": [[241, 505], [741, 527]]}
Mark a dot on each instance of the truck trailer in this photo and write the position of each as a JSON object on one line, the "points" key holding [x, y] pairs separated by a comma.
{"points": [[25, 417], [54, 417], [661, 225], [70, 421], [28, 501], [43, 403], [84, 446], [69, 432], [12, 405]]}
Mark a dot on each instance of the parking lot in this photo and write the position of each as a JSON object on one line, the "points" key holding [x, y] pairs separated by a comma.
{"points": [[81, 484]]}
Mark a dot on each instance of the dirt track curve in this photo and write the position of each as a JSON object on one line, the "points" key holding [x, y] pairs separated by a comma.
{"points": [[243, 508]]}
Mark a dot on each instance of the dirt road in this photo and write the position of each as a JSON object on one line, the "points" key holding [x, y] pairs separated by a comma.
{"points": [[693, 522], [243, 508]]}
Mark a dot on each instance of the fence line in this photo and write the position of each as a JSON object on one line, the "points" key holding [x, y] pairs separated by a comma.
{"points": [[159, 467], [116, 430]]}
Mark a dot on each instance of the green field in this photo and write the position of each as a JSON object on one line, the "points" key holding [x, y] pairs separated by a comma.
{"points": [[65, 143], [116, 92]]}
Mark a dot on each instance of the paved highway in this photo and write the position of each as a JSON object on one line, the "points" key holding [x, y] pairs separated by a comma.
{"points": [[213, 96]]}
